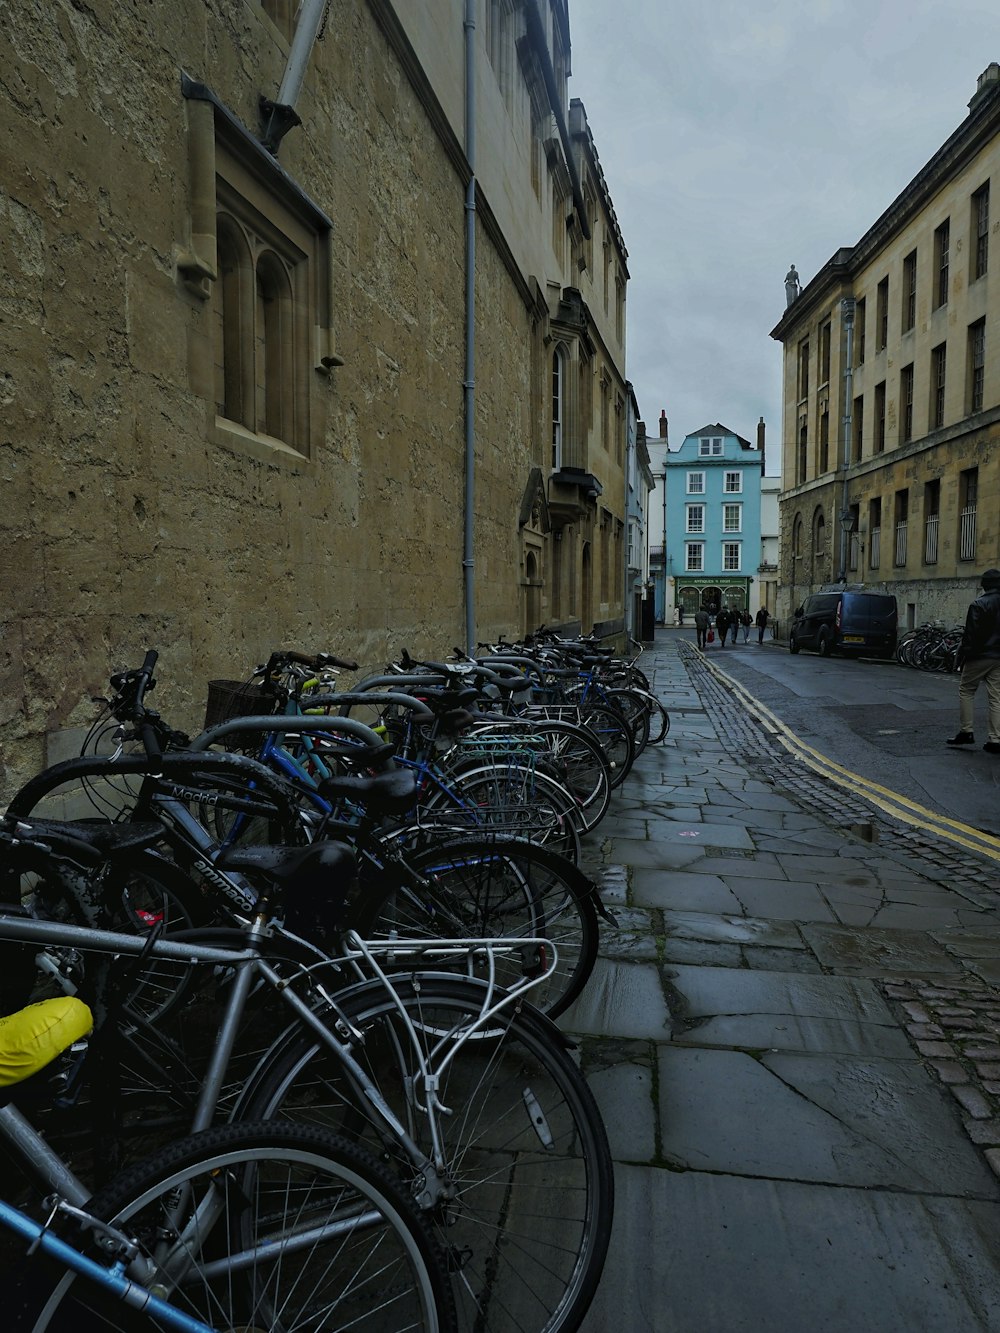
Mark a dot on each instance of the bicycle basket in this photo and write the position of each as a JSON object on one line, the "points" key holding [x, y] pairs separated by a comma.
{"points": [[236, 698]]}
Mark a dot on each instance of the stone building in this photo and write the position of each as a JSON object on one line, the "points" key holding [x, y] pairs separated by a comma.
{"points": [[253, 331], [891, 397]]}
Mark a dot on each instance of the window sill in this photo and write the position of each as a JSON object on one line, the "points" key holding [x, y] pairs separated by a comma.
{"points": [[264, 448]]}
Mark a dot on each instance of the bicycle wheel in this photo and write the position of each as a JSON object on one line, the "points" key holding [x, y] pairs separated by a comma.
{"points": [[615, 736], [490, 888], [583, 765], [635, 707], [510, 798], [529, 1190], [659, 721], [272, 1226], [148, 893], [577, 759]]}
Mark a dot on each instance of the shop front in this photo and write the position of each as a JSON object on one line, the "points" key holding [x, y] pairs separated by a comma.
{"points": [[693, 594]]}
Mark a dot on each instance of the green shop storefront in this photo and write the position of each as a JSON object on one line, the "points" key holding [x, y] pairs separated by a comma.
{"points": [[693, 593]]}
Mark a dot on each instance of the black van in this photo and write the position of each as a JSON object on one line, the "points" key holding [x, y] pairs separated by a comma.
{"points": [[848, 622]]}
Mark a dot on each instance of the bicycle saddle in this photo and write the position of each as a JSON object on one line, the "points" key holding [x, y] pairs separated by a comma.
{"points": [[33, 1037]]}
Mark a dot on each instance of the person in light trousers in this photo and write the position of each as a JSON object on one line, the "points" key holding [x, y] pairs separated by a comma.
{"points": [[979, 657]]}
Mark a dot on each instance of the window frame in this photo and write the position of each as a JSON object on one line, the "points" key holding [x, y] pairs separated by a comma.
{"points": [[694, 557], [879, 442], [942, 249], [276, 230], [732, 563], [906, 404], [690, 510], [726, 508], [882, 315], [977, 365], [557, 398], [692, 489], [980, 231], [909, 292], [938, 385]]}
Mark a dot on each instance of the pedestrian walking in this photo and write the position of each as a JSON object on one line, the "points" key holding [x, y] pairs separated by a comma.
{"points": [[722, 623], [761, 622], [701, 624], [734, 624], [746, 620], [979, 657]]}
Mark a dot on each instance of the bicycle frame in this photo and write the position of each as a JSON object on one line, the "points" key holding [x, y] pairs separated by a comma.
{"points": [[251, 964], [112, 1279]]}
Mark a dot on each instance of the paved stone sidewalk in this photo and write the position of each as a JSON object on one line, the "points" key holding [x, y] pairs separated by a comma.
{"points": [[795, 1041]]}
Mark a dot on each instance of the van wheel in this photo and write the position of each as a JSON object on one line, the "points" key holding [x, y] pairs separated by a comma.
{"points": [[793, 647], [823, 644]]}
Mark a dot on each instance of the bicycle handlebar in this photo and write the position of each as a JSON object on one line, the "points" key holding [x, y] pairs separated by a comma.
{"points": [[316, 662]]}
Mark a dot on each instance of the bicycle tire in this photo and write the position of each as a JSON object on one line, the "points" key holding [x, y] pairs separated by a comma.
{"points": [[528, 1229], [282, 1186], [580, 762], [659, 722], [636, 710], [491, 889], [507, 798], [148, 892], [615, 735]]}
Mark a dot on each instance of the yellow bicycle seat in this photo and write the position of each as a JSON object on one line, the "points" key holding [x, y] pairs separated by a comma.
{"points": [[33, 1037]]}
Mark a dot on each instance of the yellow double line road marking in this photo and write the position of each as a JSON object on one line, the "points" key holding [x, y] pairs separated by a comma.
{"points": [[898, 807]]}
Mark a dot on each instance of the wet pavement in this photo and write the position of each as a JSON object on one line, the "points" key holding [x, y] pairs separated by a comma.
{"points": [[794, 1036]]}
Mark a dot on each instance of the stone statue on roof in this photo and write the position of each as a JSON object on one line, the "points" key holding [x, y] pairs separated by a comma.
{"points": [[792, 287]]}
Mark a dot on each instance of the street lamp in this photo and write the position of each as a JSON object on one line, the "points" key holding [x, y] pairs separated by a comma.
{"points": [[847, 521], [846, 517]]}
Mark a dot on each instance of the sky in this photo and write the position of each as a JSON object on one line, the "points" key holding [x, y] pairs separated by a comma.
{"points": [[738, 137]]}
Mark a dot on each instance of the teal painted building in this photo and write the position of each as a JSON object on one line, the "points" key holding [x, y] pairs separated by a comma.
{"points": [[712, 545]]}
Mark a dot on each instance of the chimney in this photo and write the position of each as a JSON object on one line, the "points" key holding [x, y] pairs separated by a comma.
{"points": [[987, 82], [760, 443], [663, 423]]}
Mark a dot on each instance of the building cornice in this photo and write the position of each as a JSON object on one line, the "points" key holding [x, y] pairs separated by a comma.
{"points": [[976, 131]]}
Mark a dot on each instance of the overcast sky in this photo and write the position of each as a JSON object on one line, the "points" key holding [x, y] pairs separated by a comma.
{"points": [[740, 136]]}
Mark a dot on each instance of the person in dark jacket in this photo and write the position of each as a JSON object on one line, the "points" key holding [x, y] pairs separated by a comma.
{"points": [[722, 623], [701, 624], [979, 658], [761, 623]]}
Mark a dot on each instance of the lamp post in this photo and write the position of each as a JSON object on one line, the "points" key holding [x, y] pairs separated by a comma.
{"points": [[846, 518]]}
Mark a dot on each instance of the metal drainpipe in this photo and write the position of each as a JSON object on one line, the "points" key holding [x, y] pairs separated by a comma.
{"points": [[469, 384], [847, 312], [279, 116]]}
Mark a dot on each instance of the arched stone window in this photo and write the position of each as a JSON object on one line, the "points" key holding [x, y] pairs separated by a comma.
{"points": [[274, 350], [819, 534], [587, 607], [258, 250], [558, 405], [233, 318], [532, 593]]}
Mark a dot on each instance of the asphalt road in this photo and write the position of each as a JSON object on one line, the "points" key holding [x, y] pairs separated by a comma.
{"points": [[886, 722]]}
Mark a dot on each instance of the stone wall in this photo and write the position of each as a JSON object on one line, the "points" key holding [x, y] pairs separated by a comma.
{"points": [[127, 524]]}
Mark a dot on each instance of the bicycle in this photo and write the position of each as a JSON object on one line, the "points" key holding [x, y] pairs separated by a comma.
{"points": [[268, 1225], [478, 886], [378, 1057]]}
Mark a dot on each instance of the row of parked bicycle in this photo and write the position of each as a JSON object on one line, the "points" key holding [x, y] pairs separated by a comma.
{"points": [[931, 647], [290, 1061]]}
